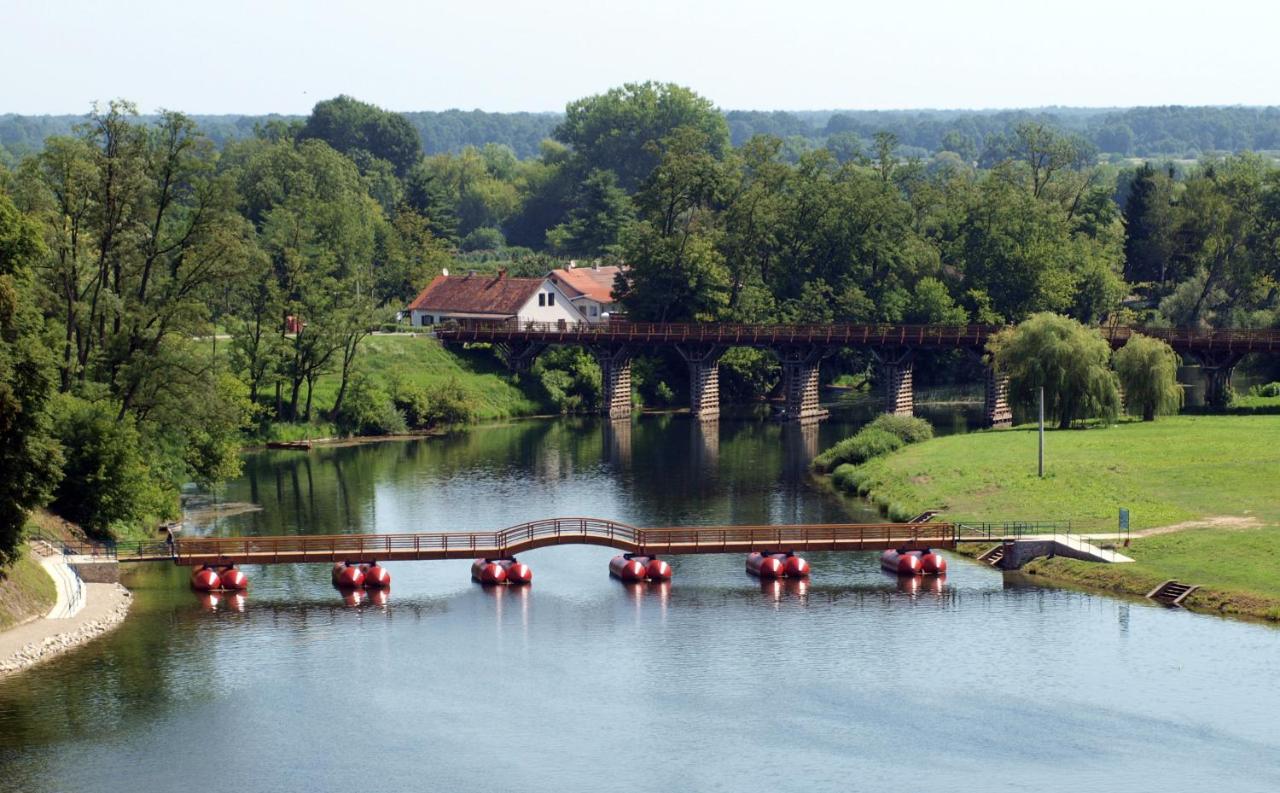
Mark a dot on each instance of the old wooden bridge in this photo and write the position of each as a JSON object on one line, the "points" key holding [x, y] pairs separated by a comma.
{"points": [[800, 348], [504, 543]]}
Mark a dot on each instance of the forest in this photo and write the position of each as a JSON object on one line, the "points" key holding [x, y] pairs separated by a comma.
{"points": [[165, 290]]}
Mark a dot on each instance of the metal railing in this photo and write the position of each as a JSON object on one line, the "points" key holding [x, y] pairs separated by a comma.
{"points": [[516, 539], [979, 532]]}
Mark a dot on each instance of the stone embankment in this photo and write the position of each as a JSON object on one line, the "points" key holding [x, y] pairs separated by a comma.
{"points": [[106, 606]]}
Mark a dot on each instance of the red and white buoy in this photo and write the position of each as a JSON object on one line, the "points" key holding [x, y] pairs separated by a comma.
{"points": [[902, 561], [376, 577], [932, 563], [205, 580], [765, 565], [517, 572], [347, 576], [626, 568], [231, 578], [657, 570], [488, 572], [795, 567]]}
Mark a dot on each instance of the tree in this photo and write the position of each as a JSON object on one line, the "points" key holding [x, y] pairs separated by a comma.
{"points": [[618, 129], [601, 209], [1148, 222], [349, 125], [1065, 358], [1148, 371], [29, 456]]}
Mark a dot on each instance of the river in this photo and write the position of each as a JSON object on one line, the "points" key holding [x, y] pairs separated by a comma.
{"points": [[854, 681]]}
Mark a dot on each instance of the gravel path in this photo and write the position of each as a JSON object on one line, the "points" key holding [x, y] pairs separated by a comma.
{"points": [[104, 607]]}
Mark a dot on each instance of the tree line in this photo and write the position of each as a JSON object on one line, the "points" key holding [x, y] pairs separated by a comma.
{"points": [[135, 250], [1174, 132]]}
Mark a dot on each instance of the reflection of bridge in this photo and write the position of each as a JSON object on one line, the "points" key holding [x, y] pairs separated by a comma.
{"points": [[297, 549], [800, 348]]}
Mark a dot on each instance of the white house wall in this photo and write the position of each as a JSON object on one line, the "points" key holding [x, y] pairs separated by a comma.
{"points": [[561, 308]]}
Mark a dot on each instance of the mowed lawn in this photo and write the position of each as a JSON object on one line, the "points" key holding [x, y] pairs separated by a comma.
{"points": [[1177, 469]]}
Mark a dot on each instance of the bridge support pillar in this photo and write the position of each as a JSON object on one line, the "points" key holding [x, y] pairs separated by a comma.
{"points": [[997, 411], [898, 379], [704, 379], [800, 384], [519, 355], [615, 368], [1217, 368]]}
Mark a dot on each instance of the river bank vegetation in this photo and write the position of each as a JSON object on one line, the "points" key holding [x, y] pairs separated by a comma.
{"points": [[128, 241]]}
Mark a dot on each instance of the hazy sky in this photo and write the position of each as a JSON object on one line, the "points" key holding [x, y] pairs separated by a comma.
{"points": [[234, 56]]}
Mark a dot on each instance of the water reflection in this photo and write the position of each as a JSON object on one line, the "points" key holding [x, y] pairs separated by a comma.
{"points": [[777, 589], [919, 584]]}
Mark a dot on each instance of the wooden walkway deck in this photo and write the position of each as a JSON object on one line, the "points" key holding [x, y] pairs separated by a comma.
{"points": [[507, 542]]}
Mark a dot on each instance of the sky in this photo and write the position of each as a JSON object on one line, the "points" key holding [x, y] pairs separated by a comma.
{"points": [[236, 56]]}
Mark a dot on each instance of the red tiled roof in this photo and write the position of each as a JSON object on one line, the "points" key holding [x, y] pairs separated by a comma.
{"points": [[476, 294], [595, 283]]}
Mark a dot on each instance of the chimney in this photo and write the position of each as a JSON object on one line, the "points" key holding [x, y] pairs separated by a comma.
{"points": [[595, 265]]}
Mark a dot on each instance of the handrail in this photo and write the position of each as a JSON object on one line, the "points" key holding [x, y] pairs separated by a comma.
{"points": [[559, 530], [851, 334]]}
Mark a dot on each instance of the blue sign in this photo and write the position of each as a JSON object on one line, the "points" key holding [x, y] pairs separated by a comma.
{"points": [[1124, 519]]}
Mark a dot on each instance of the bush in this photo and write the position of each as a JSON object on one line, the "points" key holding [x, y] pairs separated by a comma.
{"points": [[845, 477], [869, 442], [909, 429], [449, 404], [1268, 390], [368, 410]]}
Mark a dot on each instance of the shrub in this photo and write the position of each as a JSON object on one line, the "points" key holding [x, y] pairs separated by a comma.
{"points": [[368, 410], [909, 429], [845, 477], [449, 404], [869, 442], [1267, 390]]}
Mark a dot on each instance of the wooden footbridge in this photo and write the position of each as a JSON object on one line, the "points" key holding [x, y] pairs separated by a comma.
{"points": [[505, 543]]}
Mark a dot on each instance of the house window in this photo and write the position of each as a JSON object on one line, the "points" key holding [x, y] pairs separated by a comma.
{"points": [[542, 299], [427, 319], [594, 310], [551, 298]]}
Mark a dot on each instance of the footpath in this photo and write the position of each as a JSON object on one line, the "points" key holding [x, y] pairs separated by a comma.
{"points": [[81, 613]]}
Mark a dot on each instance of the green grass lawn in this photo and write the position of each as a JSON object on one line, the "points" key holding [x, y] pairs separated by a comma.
{"points": [[1177, 469], [26, 590]]}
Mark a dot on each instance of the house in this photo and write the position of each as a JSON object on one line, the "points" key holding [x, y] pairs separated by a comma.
{"points": [[494, 297], [590, 289]]}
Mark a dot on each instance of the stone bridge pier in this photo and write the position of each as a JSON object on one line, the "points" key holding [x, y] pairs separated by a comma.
{"points": [[996, 404], [615, 368], [897, 375], [704, 379], [800, 383]]}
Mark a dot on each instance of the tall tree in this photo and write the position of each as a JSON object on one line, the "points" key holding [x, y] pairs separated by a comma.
{"points": [[617, 130], [1066, 359], [29, 455], [1148, 371], [1148, 222]]}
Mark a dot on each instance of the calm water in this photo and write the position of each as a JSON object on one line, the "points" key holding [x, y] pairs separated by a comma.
{"points": [[580, 683]]}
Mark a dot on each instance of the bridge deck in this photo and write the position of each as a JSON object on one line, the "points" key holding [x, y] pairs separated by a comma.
{"points": [[832, 335], [558, 531]]}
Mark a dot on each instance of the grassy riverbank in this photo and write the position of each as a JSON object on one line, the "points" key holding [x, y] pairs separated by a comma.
{"points": [[1204, 485], [26, 591], [421, 362]]}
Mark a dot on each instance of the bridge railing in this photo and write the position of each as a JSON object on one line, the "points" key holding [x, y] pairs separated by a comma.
{"points": [[533, 533], [872, 334], [977, 532]]}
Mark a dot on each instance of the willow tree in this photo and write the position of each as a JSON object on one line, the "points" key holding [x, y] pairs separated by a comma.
{"points": [[1148, 370], [1065, 358]]}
